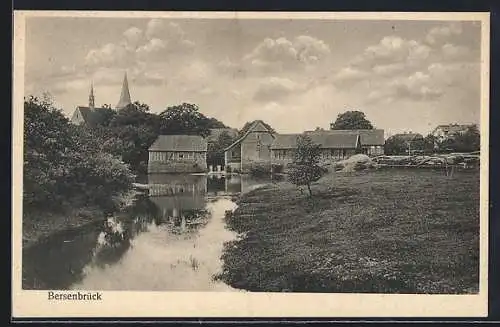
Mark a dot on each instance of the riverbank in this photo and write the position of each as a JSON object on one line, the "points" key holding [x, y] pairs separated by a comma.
{"points": [[396, 231], [39, 226]]}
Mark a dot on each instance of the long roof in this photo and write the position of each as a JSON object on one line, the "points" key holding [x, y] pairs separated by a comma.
{"points": [[179, 143], [257, 126], [326, 140], [368, 136]]}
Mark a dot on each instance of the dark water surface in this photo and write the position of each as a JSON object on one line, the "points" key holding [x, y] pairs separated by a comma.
{"points": [[171, 239]]}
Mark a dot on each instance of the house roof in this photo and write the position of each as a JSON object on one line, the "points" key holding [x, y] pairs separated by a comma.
{"points": [[257, 126], [327, 140], [92, 117], [368, 136], [179, 143], [285, 141]]}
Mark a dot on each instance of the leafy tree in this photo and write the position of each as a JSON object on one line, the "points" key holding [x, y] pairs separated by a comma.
{"points": [[215, 153], [468, 141], [141, 106], [352, 120], [430, 144], [417, 143], [64, 164], [131, 133], [399, 144], [184, 119], [214, 123], [395, 145], [187, 119], [107, 115], [305, 168]]}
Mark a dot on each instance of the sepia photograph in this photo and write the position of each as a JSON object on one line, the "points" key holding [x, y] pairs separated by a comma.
{"points": [[260, 154]]}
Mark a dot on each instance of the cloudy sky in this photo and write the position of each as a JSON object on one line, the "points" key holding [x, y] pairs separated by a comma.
{"points": [[294, 74]]}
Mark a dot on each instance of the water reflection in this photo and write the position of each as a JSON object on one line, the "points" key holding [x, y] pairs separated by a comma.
{"points": [[170, 239]]}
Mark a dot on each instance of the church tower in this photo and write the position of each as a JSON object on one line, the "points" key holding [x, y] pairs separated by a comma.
{"points": [[91, 97], [125, 95]]}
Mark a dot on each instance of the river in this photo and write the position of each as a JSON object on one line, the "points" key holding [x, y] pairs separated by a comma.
{"points": [[170, 239]]}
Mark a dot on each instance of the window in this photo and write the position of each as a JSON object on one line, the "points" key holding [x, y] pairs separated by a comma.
{"points": [[181, 156]]}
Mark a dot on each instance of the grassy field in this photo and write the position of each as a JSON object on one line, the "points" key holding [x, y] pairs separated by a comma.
{"points": [[388, 231]]}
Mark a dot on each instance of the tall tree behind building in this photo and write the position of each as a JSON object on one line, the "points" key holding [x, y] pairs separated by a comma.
{"points": [[351, 120]]}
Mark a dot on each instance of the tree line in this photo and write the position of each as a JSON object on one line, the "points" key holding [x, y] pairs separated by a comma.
{"points": [[467, 141], [68, 165]]}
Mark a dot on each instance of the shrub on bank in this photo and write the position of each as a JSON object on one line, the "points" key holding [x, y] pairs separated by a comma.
{"points": [[277, 168], [259, 169], [65, 165]]}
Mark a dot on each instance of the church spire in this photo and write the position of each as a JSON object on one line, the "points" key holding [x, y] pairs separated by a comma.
{"points": [[125, 95], [91, 97]]}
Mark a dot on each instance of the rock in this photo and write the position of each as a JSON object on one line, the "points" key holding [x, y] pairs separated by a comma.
{"points": [[355, 163]]}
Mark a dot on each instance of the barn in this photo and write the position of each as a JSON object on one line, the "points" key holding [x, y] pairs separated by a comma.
{"points": [[253, 147], [178, 154], [335, 144]]}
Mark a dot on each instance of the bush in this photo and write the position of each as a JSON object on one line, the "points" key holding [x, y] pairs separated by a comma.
{"points": [[259, 169], [65, 166], [277, 168], [305, 168]]}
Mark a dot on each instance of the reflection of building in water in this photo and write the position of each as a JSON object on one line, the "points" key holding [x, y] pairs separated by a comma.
{"points": [[174, 184], [233, 184], [179, 198], [216, 184]]}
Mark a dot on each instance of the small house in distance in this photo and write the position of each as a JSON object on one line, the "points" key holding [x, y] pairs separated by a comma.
{"points": [[253, 147], [335, 144], [178, 154], [443, 132], [91, 115]]}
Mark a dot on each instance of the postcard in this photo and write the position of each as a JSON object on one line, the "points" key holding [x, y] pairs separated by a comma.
{"points": [[250, 164]]}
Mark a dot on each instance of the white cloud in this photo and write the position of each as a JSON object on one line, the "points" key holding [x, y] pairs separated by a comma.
{"points": [[154, 49], [279, 54], [109, 55], [392, 49], [133, 36], [454, 52], [442, 33], [349, 74], [159, 41], [418, 87], [403, 69], [158, 28], [274, 88], [389, 69], [461, 75]]}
